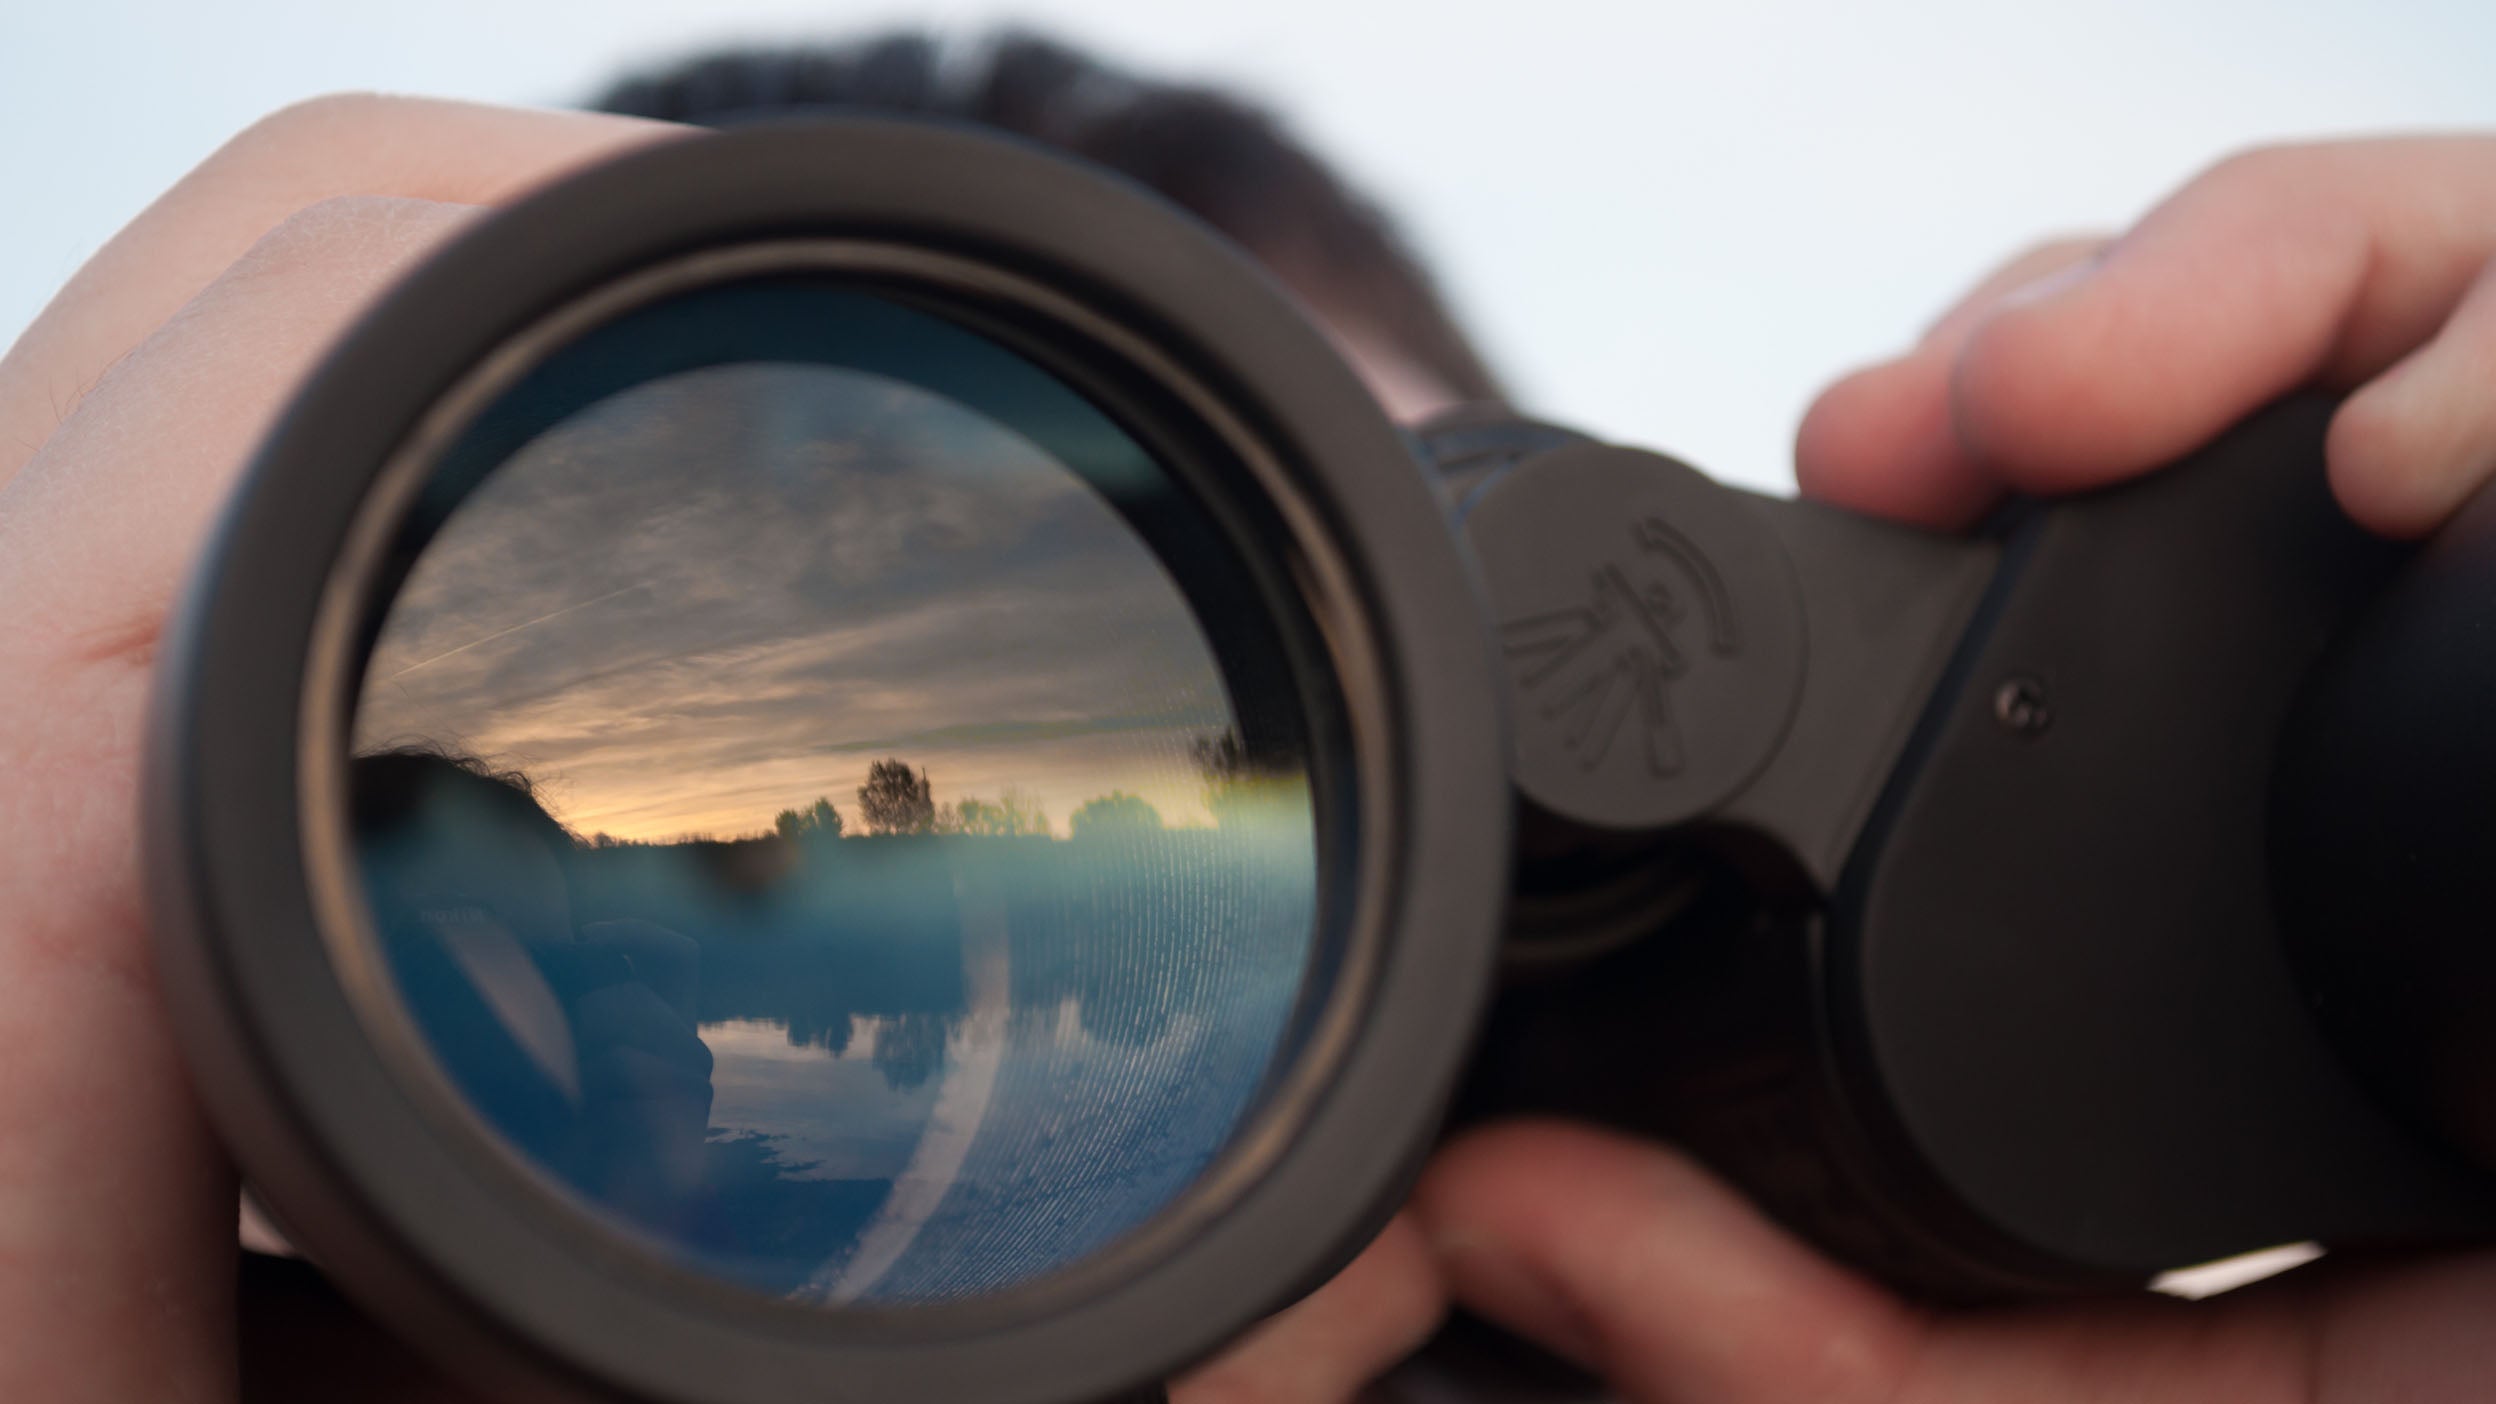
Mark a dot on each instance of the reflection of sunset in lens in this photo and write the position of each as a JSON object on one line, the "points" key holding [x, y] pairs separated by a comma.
{"points": [[723, 596]]}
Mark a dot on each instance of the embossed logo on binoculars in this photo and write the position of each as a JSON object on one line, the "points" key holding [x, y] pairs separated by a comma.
{"points": [[1592, 667]]}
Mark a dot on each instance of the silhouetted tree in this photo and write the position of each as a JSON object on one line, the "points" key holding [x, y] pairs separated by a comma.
{"points": [[910, 1049], [1238, 785], [816, 821], [828, 1030], [896, 799], [1220, 758], [1114, 813], [1013, 813]]}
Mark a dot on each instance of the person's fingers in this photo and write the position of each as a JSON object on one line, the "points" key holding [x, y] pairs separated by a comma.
{"points": [[1337, 1339], [2403, 1328], [1638, 1264], [351, 145], [97, 529], [116, 1208], [2029, 273], [2283, 268], [1881, 439], [2418, 440]]}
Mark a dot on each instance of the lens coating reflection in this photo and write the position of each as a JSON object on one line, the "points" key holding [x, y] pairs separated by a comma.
{"points": [[805, 817]]}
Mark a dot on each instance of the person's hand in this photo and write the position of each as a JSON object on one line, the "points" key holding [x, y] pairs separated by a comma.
{"points": [[1634, 1262], [2359, 266], [2363, 266], [125, 412]]}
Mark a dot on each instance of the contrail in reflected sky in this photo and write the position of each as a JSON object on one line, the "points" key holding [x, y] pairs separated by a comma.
{"points": [[516, 628]]}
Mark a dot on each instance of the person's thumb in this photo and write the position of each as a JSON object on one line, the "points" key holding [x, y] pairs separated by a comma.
{"points": [[1633, 1261]]}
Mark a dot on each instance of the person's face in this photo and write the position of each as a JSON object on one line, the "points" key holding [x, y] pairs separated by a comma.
{"points": [[479, 864]]}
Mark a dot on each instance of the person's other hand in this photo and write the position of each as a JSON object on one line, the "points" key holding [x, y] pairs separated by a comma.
{"points": [[1634, 1262], [2362, 266], [126, 411]]}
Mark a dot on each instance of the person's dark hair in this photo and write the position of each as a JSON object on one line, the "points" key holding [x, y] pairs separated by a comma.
{"points": [[397, 786], [1225, 159]]}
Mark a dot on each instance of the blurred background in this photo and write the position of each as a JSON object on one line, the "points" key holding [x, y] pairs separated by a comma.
{"points": [[1669, 221]]}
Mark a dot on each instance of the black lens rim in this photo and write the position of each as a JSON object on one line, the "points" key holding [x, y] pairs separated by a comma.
{"points": [[418, 492], [357, 1170]]}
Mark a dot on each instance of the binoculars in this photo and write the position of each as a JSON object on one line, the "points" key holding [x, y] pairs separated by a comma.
{"points": [[843, 760]]}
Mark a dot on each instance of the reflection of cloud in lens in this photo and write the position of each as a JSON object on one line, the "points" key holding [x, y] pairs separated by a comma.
{"points": [[723, 594], [826, 1117], [507, 632]]}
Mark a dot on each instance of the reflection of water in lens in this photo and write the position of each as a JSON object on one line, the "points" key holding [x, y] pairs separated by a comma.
{"points": [[902, 1067], [996, 1099]]}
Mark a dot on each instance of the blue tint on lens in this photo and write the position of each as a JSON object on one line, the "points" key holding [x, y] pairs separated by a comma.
{"points": [[808, 822]]}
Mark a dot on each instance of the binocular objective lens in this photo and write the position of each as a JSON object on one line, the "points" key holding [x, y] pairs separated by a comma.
{"points": [[803, 816]]}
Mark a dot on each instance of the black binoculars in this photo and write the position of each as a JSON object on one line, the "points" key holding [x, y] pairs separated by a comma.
{"points": [[844, 761]]}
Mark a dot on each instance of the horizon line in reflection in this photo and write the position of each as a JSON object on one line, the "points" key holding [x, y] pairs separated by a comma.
{"points": [[1221, 789]]}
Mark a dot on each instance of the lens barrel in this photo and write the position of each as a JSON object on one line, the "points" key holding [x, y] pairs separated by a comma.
{"points": [[489, 1094]]}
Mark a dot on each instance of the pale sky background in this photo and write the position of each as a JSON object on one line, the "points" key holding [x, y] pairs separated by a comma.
{"points": [[1670, 221]]}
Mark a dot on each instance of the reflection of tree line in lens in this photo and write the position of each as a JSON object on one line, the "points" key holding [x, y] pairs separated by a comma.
{"points": [[897, 799], [813, 928]]}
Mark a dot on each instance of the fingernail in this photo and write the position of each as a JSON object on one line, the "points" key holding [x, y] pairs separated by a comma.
{"points": [[2053, 284], [1496, 1283]]}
